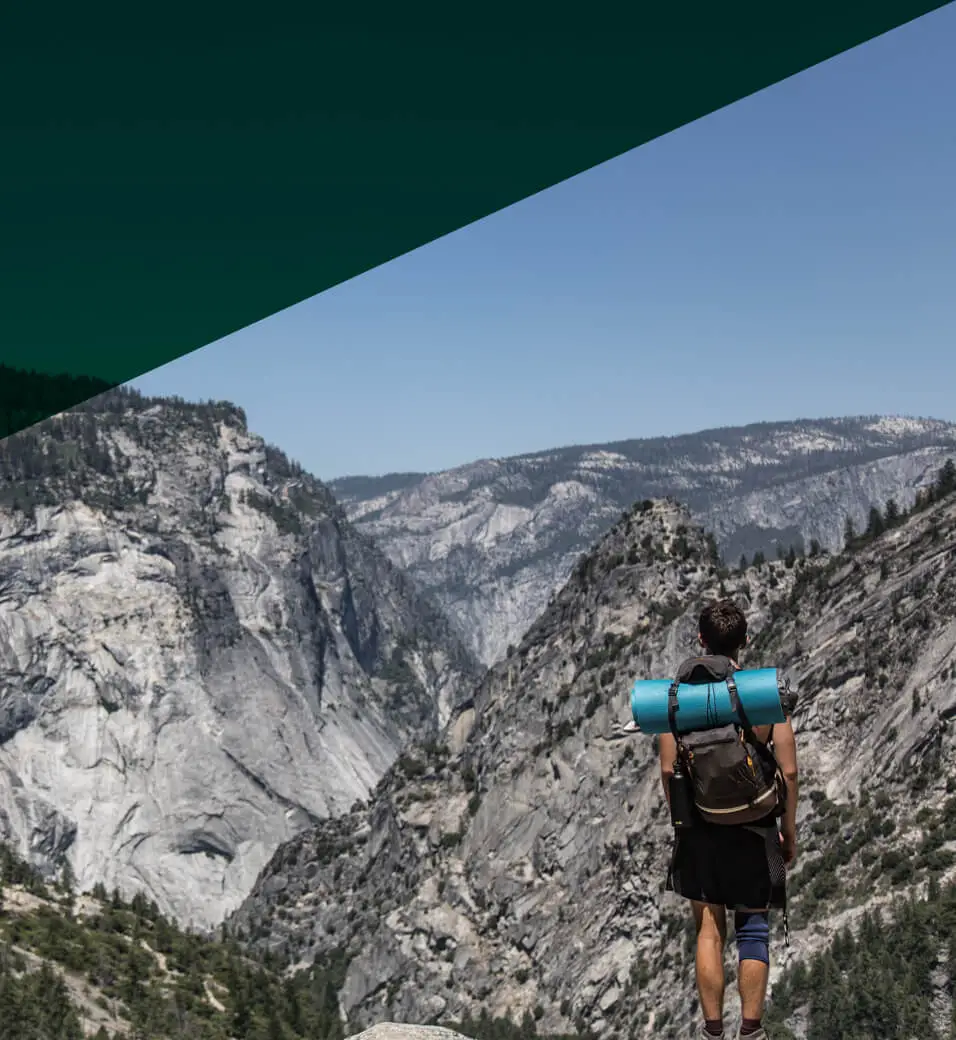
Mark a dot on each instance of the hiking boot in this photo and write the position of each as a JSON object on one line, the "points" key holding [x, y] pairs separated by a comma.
{"points": [[702, 1034], [761, 1034]]}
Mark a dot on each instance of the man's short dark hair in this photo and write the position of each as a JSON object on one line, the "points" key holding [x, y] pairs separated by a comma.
{"points": [[723, 627]]}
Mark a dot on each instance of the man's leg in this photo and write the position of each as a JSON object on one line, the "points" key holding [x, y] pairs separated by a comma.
{"points": [[752, 933], [711, 924]]}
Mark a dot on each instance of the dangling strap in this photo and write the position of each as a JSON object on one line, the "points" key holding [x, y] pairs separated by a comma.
{"points": [[778, 872], [786, 916]]}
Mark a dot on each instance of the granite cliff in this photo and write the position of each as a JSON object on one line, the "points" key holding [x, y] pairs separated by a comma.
{"points": [[199, 655]]}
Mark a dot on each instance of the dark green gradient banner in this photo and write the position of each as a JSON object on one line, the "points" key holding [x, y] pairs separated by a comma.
{"points": [[166, 180]]}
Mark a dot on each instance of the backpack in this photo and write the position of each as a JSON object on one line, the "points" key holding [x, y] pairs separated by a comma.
{"points": [[733, 778]]}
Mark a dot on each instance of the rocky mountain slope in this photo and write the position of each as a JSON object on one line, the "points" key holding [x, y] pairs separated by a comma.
{"points": [[493, 540], [199, 656], [517, 864]]}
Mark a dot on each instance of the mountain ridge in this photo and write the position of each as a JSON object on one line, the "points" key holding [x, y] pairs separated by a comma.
{"points": [[493, 539]]}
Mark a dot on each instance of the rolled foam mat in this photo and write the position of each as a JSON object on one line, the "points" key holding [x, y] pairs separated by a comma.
{"points": [[702, 705]]}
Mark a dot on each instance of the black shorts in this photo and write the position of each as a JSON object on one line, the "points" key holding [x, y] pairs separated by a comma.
{"points": [[738, 867]]}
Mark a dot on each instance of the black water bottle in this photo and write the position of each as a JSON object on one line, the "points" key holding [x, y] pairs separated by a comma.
{"points": [[681, 799]]}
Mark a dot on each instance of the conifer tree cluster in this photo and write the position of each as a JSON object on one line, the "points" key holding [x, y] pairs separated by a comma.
{"points": [[878, 521], [146, 971], [883, 980]]}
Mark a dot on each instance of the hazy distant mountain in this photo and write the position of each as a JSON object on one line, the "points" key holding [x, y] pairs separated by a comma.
{"points": [[493, 540]]}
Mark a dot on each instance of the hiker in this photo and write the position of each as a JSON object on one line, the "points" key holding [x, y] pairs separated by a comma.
{"points": [[739, 862]]}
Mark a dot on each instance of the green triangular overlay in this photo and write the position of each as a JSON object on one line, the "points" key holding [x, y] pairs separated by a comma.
{"points": [[167, 181]]}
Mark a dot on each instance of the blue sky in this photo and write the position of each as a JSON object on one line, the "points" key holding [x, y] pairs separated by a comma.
{"points": [[792, 255]]}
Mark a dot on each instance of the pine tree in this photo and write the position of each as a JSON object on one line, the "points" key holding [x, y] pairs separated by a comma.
{"points": [[892, 514], [875, 526], [274, 1029], [68, 885]]}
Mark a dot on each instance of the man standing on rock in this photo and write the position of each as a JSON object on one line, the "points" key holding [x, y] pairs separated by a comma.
{"points": [[738, 866]]}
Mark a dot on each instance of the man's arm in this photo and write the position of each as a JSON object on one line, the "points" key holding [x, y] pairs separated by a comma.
{"points": [[667, 750], [785, 748]]}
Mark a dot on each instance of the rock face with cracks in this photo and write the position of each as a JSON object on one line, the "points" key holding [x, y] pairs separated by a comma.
{"points": [[517, 865], [401, 1031], [199, 656], [493, 540]]}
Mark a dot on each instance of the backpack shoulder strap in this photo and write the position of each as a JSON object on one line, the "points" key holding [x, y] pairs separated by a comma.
{"points": [[763, 749], [672, 708]]}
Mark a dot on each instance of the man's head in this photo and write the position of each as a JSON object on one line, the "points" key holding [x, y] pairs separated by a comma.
{"points": [[723, 628]]}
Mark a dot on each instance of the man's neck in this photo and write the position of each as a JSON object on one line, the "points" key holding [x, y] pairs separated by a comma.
{"points": [[733, 660]]}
